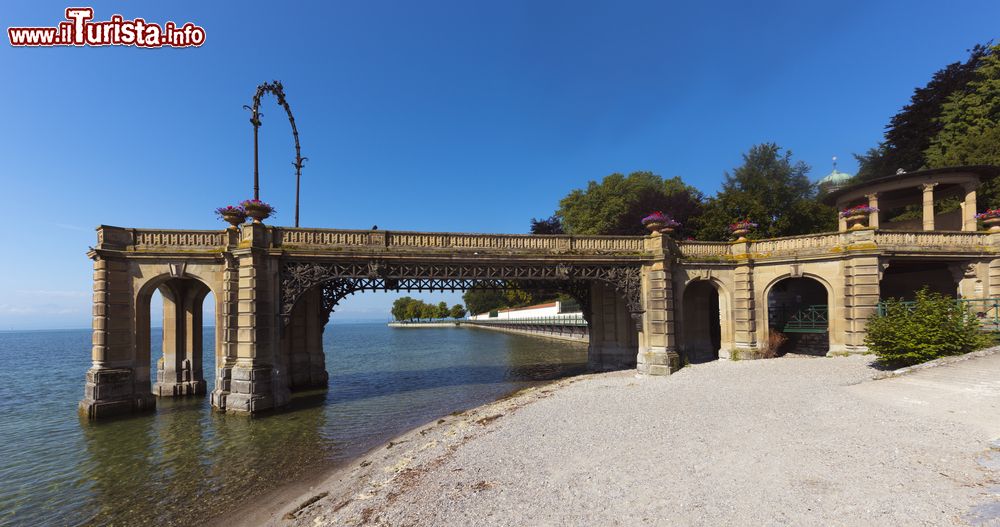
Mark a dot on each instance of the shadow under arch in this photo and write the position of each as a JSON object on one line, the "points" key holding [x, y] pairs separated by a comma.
{"points": [[801, 310], [180, 371], [704, 320]]}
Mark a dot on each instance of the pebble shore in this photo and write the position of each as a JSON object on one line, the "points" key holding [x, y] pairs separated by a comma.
{"points": [[766, 442]]}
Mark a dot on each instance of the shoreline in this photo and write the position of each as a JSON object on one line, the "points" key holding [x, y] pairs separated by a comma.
{"points": [[287, 502], [588, 449]]}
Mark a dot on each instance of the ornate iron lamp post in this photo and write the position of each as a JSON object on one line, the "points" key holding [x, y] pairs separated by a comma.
{"points": [[275, 88]]}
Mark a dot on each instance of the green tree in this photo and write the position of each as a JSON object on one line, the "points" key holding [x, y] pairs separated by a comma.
{"points": [[413, 310], [970, 120], [400, 306], [428, 311], [482, 299], [550, 225], [442, 310], [457, 311], [934, 326], [772, 191], [618, 203], [910, 132]]}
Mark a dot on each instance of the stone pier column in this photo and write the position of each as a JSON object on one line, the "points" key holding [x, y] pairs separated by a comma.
{"points": [[115, 383], [657, 342], [179, 371], [744, 304], [302, 343], [257, 383], [227, 317], [861, 289], [614, 339], [929, 206]]}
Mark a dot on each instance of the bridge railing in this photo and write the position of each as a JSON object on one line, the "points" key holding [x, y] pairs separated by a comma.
{"points": [[924, 239], [986, 310], [162, 238], [836, 242], [457, 241]]}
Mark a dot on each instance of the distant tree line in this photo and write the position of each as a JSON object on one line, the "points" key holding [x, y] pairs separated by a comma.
{"points": [[406, 308], [769, 187]]}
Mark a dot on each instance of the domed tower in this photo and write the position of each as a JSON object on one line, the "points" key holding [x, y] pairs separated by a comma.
{"points": [[834, 180]]}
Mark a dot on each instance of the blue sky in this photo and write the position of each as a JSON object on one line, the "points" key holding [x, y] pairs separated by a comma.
{"points": [[432, 115]]}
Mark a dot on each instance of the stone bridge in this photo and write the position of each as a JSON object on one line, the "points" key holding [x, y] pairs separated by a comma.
{"points": [[649, 300]]}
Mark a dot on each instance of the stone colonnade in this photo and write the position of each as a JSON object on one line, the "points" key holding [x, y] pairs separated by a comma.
{"points": [[262, 354]]}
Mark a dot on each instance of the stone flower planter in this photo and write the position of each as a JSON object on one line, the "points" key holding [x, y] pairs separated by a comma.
{"points": [[992, 224], [856, 221], [234, 218], [741, 234]]}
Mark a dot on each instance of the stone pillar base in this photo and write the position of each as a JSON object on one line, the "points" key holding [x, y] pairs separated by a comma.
{"points": [[111, 391], [177, 389], [657, 361], [252, 390]]}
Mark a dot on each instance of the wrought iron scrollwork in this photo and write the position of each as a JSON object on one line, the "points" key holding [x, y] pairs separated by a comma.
{"points": [[340, 279]]}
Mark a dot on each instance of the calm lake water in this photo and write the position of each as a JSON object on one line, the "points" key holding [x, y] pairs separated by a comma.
{"points": [[185, 463]]}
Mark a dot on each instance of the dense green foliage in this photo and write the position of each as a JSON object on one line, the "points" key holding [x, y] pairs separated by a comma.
{"points": [[483, 300], [406, 308], [970, 120], [910, 132], [932, 327], [772, 191], [618, 203], [550, 225]]}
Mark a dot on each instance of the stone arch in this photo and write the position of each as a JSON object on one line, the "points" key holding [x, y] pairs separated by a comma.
{"points": [[301, 360], [806, 337], [180, 370], [722, 309]]}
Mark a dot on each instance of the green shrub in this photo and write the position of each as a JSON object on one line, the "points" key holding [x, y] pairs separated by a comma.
{"points": [[934, 326]]}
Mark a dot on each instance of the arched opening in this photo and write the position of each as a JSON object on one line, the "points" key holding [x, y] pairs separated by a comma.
{"points": [[172, 358], [798, 317], [701, 330], [902, 279], [301, 343]]}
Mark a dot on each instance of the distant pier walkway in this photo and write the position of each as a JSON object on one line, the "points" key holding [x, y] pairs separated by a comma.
{"points": [[568, 326]]}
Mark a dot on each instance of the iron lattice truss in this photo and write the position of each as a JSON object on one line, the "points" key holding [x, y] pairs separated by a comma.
{"points": [[340, 279]]}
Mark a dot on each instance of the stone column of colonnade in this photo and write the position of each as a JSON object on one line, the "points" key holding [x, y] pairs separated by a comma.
{"points": [[302, 343], [861, 273], [657, 342], [258, 381], [179, 371], [227, 316], [613, 332], [115, 383], [744, 306]]}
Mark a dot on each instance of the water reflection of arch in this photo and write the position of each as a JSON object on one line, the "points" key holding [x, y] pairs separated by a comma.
{"points": [[705, 302]]}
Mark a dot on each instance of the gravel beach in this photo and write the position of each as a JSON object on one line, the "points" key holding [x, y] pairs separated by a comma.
{"points": [[788, 441]]}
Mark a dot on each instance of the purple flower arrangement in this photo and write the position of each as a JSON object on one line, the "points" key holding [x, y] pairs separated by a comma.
{"points": [[857, 209], [256, 204], [233, 215], [742, 225], [659, 217], [989, 214]]}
